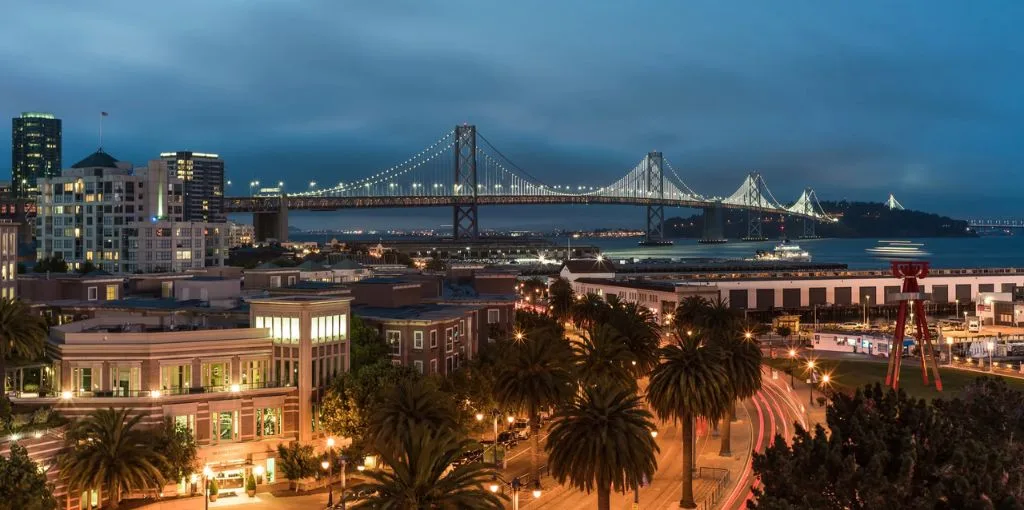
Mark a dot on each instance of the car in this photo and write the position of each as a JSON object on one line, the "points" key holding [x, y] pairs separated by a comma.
{"points": [[522, 428], [508, 438]]}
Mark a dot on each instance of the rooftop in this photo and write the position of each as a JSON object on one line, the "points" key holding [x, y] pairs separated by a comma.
{"points": [[658, 285], [422, 312], [98, 159], [581, 266]]}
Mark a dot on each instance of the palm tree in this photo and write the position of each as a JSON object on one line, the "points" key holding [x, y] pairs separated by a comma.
{"points": [[741, 358], [589, 310], [22, 333], [408, 405], [602, 358], [640, 331], [536, 376], [561, 299], [689, 382], [603, 441], [107, 450], [420, 476], [689, 313]]}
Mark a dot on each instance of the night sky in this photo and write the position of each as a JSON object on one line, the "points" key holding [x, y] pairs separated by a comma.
{"points": [[857, 99]]}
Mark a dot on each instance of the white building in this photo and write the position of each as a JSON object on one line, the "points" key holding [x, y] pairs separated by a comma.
{"points": [[103, 211], [239, 234], [661, 297]]}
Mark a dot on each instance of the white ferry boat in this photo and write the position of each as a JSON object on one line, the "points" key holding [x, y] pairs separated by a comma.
{"points": [[785, 252], [898, 250]]}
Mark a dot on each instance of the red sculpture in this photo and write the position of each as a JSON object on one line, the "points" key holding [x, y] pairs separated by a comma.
{"points": [[910, 272]]}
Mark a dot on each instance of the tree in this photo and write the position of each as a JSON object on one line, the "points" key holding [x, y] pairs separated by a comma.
{"points": [[884, 449], [689, 382], [784, 332], [741, 358], [297, 461], [177, 446], [22, 484], [561, 299], [420, 476], [536, 376], [368, 347], [22, 333], [640, 332], [589, 310], [406, 406], [603, 441], [108, 450], [689, 313], [602, 358], [50, 265], [351, 396], [86, 268]]}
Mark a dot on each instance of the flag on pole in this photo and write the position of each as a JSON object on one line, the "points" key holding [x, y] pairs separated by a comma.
{"points": [[104, 114]]}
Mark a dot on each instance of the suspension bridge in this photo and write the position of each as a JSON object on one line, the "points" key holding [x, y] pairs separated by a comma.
{"points": [[464, 171]]}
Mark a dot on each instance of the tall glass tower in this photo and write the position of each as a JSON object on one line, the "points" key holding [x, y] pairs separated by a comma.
{"points": [[35, 151]]}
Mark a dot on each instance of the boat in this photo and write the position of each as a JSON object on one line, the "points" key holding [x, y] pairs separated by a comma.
{"points": [[651, 242], [783, 252], [904, 250]]}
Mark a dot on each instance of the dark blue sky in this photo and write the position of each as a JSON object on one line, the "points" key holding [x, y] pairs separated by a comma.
{"points": [[857, 99]]}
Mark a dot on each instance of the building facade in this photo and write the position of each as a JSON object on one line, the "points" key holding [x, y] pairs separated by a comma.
{"points": [[203, 178], [35, 151], [8, 259], [239, 234]]}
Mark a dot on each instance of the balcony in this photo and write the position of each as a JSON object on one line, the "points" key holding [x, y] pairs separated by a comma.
{"points": [[171, 393]]}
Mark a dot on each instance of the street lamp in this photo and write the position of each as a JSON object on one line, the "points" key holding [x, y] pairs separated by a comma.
{"points": [[949, 342], [810, 387], [991, 346], [825, 379], [515, 493], [258, 471], [958, 308], [536, 489], [867, 301], [207, 474], [792, 366], [496, 413]]}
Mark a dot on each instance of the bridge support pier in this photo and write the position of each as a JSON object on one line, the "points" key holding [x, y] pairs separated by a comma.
{"points": [[714, 233], [272, 225], [809, 229], [754, 230], [464, 214], [655, 232]]}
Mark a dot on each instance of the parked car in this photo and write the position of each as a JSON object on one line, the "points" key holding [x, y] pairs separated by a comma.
{"points": [[509, 439], [522, 428]]}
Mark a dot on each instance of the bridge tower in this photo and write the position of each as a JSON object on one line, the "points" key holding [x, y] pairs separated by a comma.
{"points": [[754, 198], [656, 191], [464, 189]]}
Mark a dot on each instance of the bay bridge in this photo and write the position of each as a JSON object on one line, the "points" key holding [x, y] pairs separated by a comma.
{"points": [[464, 171]]}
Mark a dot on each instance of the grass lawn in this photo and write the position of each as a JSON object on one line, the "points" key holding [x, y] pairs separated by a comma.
{"points": [[848, 375]]}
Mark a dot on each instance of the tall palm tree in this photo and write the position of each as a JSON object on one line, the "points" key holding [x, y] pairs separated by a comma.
{"points": [[602, 358], [420, 476], [689, 313], [689, 382], [107, 450], [741, 358], [561, 299], [536, 376], [640, 331], [589, 310], [407, 405], [603, 441], [22, 333]]}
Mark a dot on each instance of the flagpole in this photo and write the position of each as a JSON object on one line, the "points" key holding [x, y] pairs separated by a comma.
{"points": [[101, 130]]}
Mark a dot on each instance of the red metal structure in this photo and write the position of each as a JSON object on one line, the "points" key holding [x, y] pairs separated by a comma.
{"points": [[911, 295]]}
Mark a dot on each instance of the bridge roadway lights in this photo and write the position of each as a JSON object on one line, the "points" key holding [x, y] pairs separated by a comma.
{"points": [[713, 231]]}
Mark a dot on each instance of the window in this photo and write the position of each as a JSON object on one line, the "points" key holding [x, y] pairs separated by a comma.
{"points": [[275, 282], [124, 381], [186, 421], [216, 376], [418, 365], [93, 293], [224, 426], [175, 379], [417, 340], [433, 339], [449, 340], [83, 379], [111, 292], [291, 280], [394, 339], [268, 421], [493, 316]]}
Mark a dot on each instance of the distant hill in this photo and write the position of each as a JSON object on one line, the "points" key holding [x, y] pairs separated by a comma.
{"points": [[856, 219]]}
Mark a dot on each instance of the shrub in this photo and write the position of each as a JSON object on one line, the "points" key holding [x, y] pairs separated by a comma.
{"points": [[214, 488], [250, 484]]}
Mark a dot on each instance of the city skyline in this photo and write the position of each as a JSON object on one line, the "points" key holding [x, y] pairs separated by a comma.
{"points": [[875, 103]]}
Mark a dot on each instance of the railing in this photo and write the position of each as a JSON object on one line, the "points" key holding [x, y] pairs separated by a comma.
{"points": [[162, 392], [722, 483]]}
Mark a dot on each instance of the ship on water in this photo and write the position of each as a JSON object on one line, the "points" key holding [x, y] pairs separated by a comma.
{"points": [[785, 251]]}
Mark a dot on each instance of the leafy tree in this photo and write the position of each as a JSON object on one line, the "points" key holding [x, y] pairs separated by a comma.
{"points": [[108, 449], [22, 485], [602, 358], [50, 265], [783, 331], [297, 461], [561, 299], [22, 333], [86, 268], [536, 376], [177, 446], [603, 441], [640, 332], [408, 405], [368, 347], [884, 449], [351, 396], [690, 382], [421, 476]]}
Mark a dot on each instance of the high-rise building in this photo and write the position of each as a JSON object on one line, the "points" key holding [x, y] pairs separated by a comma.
{"points": [[203, 175], [35, 151], [8, 259]]}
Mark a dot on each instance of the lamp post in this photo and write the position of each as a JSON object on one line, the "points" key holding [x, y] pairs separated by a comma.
{"points": [[792, 366], [957, 307], [810, 387], [825, 379], [207, 474], [949, 343], [991, 346], [328, 466], [867, 302], [515, 493]]}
